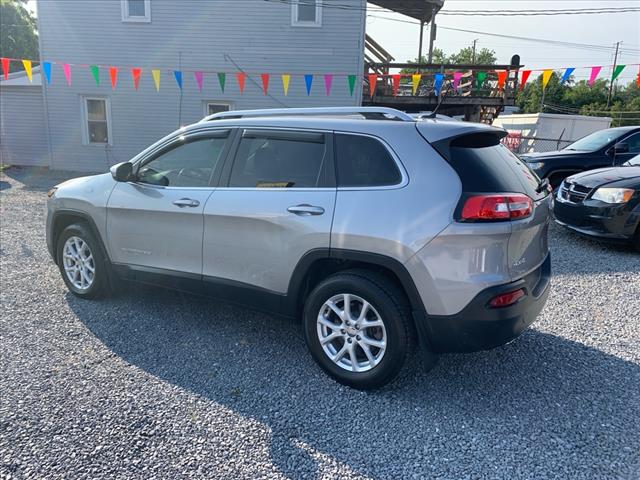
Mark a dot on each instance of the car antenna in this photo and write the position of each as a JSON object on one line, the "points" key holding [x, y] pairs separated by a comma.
{"points": [[435, 110]]}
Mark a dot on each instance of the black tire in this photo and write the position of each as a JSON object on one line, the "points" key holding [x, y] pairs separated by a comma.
{"points": [[100, 284], [393, 309], [636, 239]]}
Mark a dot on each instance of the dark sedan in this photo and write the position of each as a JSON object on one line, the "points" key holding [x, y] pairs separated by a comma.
{"points": [[604, 148], [603, 203]]}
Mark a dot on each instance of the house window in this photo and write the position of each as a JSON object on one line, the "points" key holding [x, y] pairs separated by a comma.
{"points": [[136, 10], [97, 121], [306, 13], [211, 108]]}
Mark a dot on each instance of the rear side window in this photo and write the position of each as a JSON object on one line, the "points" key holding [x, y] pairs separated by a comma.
{"points": [[364, 162], [277, 159]]}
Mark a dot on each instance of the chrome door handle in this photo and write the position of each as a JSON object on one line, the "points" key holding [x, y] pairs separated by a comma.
{"points": [[305, 209], [186, 202]]}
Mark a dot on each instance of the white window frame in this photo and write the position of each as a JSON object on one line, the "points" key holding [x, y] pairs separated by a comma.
{"points": [[84, 115], [206, 103], [136, 19], [294, 15]]}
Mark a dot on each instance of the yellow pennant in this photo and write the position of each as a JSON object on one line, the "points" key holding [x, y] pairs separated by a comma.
{"points": [[27, 68], [285, 83], [156, 78], [546, 76], [415, 79]]}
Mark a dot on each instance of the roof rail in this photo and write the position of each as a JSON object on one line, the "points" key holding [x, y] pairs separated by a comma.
{"points": [[369, 113]]}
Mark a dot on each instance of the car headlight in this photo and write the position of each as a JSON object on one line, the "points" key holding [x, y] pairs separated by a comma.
{"points": [[613, 195], [535, 165]]}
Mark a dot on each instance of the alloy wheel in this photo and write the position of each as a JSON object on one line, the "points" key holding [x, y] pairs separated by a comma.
{"points": [[78, 263]]}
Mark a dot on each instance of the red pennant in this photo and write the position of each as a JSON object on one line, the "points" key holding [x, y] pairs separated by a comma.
{"points": [[525, 77], [136, 77], [502, 78], [638, 76], [373, 79], [396, 84], [241, 77], [265, 82], [113, 75], [5, 67]]}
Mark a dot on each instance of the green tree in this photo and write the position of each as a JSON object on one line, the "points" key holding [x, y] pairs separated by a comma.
{"points": [[464, 56], [18, 37], [529, 100]]}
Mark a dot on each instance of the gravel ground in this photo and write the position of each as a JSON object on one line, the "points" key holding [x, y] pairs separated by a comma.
{"points": [[162, 385]]}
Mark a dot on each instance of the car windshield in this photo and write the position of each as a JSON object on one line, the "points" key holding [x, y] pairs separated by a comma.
{"points": [[595, 141], [634, 162]]}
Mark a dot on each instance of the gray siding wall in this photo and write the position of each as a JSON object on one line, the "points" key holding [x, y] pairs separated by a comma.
{"points": [[218, 35], [23, 136]]}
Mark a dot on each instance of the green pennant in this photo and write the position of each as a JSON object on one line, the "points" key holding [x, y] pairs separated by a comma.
{"points": [[222, 78], [617, 71], [95, 71], [352, 84], [480, 78]]}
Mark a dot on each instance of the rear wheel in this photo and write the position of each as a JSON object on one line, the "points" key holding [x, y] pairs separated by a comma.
{"points": [[357, 328]]}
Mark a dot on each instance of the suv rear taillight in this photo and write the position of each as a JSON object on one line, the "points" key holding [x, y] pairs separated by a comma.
{"points": [[502, 206]]}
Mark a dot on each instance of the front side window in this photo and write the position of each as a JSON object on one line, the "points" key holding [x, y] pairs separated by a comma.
{"points": [[364, 162], [633, 142], [97, 121], [278, 159], [189, 164], [306, 13], [136, 10]]}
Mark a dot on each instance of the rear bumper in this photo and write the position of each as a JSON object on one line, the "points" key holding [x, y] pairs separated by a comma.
{"points": [[478, 327]]}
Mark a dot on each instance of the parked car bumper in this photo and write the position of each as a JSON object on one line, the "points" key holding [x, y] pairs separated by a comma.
{"points": [[480, 327]]}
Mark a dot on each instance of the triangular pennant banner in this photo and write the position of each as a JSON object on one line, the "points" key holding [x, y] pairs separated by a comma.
{"points": [[135, 73], [373, 80], [567, 73], [265, 82], [222, 79], [27, 69], [199, 79], [525, 77], [240, 77], [480, 78], [395, 79], [595, 71], [178, 76], [502, 79], [113, 75], [415, 81], [638, 80], [546, 76], [46, 68], [155, 73], [95, 71], [352, 83], [66, 68], [437, 83], [457, 76], [617, 71], [286, 78], [5, 67], [328, 81], [308, 81]]}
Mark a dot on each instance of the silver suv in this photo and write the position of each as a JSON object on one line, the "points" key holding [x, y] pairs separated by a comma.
{"points": [[372, 228]]}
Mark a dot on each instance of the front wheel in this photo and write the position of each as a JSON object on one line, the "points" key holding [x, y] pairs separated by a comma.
{"points": [[357, 328]]}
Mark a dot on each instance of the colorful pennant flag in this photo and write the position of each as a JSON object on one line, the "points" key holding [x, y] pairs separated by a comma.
{"points": [[95, 71], [437, 84], [617, 71], [199, 79], [308, 81], [222, 79], [457, 76], [594, 74], [113, 75], [352, 83], [178, 76], [27, 69], [135, 73], [5, 67], [66, 68], [415, 81], [373, 80], [155, 73], [46, 68], [502, 79], [396, 83], [567, 73], [638, 80], [265, 82], [286, 78], [241, 77], [480, 78], [546, 76], [328, 81], [525, 77]]}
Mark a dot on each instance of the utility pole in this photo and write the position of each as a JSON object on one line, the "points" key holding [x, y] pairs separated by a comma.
{"points": [[420, 44], [473, 55], [615, 62], [432, 33]]}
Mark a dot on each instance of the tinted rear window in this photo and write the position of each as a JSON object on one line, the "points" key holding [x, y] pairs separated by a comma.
{"points": [[364, 162]]}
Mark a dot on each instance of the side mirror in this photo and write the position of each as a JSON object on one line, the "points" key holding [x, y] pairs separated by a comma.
{"points": [[122, 172], [622, 147]]}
